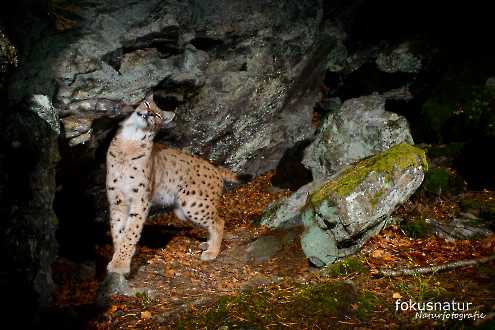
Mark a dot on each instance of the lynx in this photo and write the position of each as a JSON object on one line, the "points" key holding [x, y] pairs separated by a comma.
{"points": [[141, 173]]}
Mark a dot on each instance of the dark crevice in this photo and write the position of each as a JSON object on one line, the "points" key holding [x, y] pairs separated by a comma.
{"points": [[157, 236], [167, 42], [79, 181], [364, 81], [290, 173], [114, 59], [206, 44], [170, 94]]}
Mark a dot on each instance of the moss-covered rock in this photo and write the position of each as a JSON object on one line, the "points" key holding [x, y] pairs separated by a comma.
{"points": [[341, 214], [399, 157]]}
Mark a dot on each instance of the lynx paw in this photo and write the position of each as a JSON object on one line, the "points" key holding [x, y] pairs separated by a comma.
{"points": [[209, 255], [113, 284], [204, 246], [119, 267]]}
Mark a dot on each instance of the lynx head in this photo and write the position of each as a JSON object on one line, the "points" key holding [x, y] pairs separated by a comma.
{"points": [[148, 116]]}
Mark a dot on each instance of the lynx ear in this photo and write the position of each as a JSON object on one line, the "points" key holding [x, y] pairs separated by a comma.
{"points": [[167, 117]]}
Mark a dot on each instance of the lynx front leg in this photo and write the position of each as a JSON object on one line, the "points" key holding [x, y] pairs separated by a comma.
{"points": [[119, 210], [124, 251]]}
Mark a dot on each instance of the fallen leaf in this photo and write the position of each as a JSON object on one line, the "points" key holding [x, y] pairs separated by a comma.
{"points": [[378, 253], [145, 315]]}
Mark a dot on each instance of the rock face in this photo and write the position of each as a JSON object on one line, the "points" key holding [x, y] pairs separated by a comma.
{"points": [[27, 189], [243, 75], [360, 128], [8, 54], [400, 59], [343, 212], [8, 57]]}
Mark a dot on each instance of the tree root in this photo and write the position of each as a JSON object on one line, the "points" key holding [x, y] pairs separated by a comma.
{"points": [[434, 269]]}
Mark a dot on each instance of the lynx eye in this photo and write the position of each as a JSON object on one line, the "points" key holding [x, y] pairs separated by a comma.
{"points": [[147, 104]]}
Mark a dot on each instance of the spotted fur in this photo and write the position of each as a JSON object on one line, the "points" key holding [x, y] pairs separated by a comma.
{"points": [[141, 173]]}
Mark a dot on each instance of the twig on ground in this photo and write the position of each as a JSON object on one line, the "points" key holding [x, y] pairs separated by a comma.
{"points": [[434, 269]]}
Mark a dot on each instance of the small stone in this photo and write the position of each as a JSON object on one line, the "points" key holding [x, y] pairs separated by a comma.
{"points": [[266, 247]]}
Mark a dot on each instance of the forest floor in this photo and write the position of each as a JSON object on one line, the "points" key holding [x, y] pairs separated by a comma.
{"points": [[275, 286]]}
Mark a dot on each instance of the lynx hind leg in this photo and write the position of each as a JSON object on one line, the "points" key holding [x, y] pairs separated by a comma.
{"points": [[202, 211], [215, 236], [124, 251]]}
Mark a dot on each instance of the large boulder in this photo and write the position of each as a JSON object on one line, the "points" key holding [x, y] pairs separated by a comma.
{"points": [[341, 213], [360, 128], [243, 75]]}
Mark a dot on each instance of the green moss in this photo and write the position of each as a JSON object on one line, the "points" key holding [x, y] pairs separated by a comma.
{"points": [[441, 181], [423, 288], [416, 227], [346, 266], [300, 306], [400, 156], [366, 304], [437, 180]]}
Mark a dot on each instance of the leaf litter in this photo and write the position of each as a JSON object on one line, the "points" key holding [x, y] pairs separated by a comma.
{"points": [[184, 292]]}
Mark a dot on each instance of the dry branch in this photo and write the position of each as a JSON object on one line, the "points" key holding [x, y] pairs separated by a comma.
{"points": [[434, 269]]}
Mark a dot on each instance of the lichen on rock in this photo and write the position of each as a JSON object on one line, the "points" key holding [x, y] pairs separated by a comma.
{"points": [[341, 213], [400, 157], [352, 206], [360, 128]]}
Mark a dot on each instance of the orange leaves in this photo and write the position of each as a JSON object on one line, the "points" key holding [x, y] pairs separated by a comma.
{"points": [[145, 315], [392, 249], [247, 202]]}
